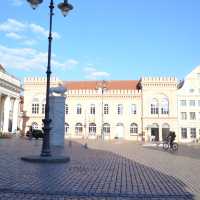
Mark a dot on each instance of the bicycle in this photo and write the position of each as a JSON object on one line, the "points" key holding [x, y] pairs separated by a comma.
{"points": [[166, 146]]}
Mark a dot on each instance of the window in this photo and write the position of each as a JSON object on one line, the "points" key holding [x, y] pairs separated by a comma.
{"points": [[78, 129], [193, 132], [183, 115], [192, 102], [66, 128], [92, 109], [191, 90], [35, 108], [43, 108], [154, 107], [106, 129], [165, 106], [119, 109], [92, 129], [183, 102], [79, 109], [133, 129], [192, 116], [133, 109], [34, 125], [106, 109], [184, 133], [66, 109]]}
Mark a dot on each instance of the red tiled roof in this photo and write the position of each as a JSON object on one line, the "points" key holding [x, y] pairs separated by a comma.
{"points": [[112, 85]]}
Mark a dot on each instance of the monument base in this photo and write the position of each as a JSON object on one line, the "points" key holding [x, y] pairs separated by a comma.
{"points": [[48, 159]]}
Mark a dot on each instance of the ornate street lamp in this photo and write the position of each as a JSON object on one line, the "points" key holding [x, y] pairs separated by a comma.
{"points": [[65, 7]]}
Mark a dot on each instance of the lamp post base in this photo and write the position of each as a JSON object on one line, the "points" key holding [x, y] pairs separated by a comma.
{"points": [[47, 159]]}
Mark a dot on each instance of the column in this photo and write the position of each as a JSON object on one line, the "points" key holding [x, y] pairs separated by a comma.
{"points": [[15, 115], [1, 112], [6, 113]]}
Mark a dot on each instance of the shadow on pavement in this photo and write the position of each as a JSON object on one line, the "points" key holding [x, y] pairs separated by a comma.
{"points": [[90, 173]]}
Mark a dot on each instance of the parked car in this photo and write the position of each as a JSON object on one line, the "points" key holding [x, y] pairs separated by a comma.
{"points": [[34, 133]]}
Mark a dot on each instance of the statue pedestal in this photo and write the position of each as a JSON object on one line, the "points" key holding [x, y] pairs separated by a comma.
{"points": [[57, 115]]}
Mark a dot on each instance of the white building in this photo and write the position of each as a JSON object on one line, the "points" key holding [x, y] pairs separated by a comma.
{"points": [[188, 103], [134, 110], [9, 101], [111, 109], [159, 107]]}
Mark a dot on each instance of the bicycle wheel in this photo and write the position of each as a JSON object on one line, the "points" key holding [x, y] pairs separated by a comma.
{"points": [[165, 146], [175, 146]]}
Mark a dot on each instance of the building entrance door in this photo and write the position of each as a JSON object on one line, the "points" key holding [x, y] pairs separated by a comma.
{"points": [[119, 131], [155, 133], [165, 133]]}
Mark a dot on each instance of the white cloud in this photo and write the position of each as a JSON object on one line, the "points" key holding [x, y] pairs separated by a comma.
{"points": [[14, 35], [93, 73], [12, 25], [12, 28], [29, 59], [67, 65], [29, 42], [17, 2], [39, 29]]}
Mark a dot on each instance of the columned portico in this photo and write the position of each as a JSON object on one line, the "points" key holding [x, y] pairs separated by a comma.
{"points": [[9, 95], [15, 115], [6, 108]]}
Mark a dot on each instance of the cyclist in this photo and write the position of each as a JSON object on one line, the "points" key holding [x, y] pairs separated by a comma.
{"points": [[171, 137]]}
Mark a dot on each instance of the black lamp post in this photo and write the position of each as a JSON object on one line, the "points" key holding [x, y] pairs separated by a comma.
{"points": [[65, 7]]}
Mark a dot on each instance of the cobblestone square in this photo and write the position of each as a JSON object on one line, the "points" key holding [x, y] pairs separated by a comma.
{"points": [[106, 170]]}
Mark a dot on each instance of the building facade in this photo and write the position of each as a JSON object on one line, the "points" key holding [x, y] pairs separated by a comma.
{"points": [[188, 103], [9, 101], [145, 109]]}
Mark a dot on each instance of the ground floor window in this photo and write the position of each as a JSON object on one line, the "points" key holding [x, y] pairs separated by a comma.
{"points": [[184, 133], [133, 129], [34, 125], [78, 129], [92, 129], [106, 129], [193, 132]]}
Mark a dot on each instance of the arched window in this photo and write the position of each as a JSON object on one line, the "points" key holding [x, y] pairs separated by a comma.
{"points": [[106, 129], [35, 106], [78, 129], [154, 106], [66, 128], [79, 109], [34, 125], [165, 106], [133, 129], [92, 109], [92, 129]]}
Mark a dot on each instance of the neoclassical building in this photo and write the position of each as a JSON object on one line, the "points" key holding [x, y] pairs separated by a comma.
{"points": [[9, 101], [128, 109]]}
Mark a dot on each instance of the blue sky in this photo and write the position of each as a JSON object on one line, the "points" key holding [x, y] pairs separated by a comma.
{"points": [[105, 39]]}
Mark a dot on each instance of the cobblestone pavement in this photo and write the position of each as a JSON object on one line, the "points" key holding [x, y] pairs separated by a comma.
{"points": [[104, 171]]}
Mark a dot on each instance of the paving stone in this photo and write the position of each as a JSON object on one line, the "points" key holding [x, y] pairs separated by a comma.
{"points": [[105, 171]]}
